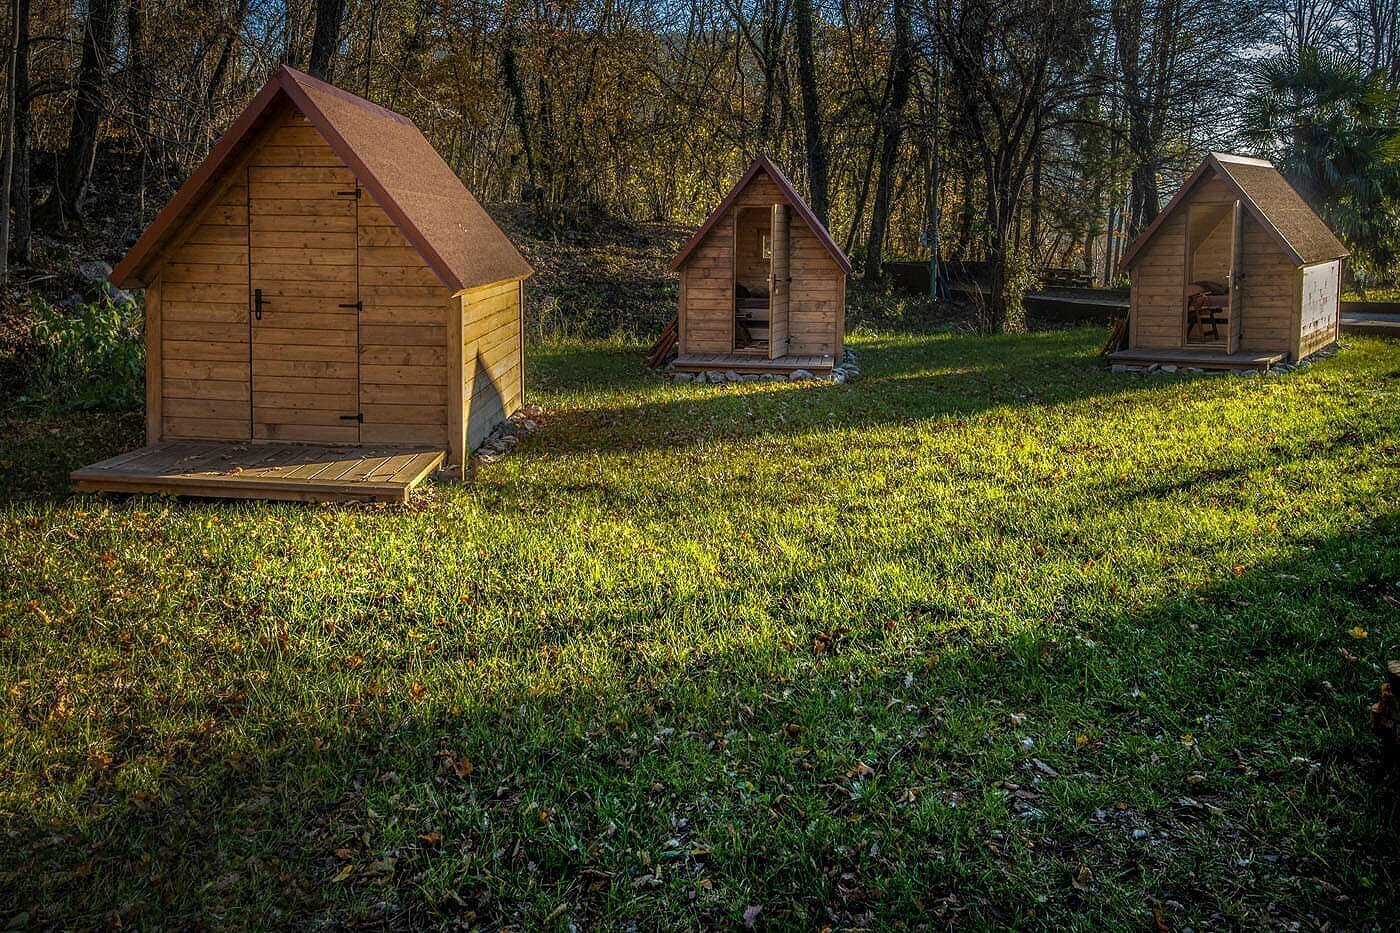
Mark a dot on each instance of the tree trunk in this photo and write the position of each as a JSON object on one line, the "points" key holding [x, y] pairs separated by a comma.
{"points": [[804, 24], [520, 116], [20, 184], [7, 161], [140, 92], [74, 174], [892, 131], [325, 41]]}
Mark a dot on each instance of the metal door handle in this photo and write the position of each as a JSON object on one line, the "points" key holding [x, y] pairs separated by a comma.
{"points": [[257, 303]]}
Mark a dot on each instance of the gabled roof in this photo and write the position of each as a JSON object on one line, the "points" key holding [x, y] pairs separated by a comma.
{"points": [[761, 164], [1268, 196], [390, 157]]}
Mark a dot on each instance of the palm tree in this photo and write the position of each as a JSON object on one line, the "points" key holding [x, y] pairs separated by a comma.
{"points": [[1327, 122]]}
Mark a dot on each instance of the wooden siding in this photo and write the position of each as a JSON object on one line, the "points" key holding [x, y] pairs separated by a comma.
{"points": [[403, 337], [707, 292], [1319, 314], [492, 358], [202, 304], [1158, 297], [816, 299], [301, 231], [1270, 293]]}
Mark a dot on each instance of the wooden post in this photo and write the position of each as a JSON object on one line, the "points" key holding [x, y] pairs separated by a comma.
{"points": [[521, 285], [154, 368], [456, 424]]}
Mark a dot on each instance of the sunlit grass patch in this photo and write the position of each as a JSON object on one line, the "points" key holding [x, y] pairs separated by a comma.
{"points": [[990, 633]]}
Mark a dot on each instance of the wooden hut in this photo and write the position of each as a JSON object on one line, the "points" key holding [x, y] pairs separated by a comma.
{"points": [[323, 278], [762, 284], [1236, 272]]}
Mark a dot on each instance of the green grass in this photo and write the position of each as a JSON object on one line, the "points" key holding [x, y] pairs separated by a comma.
{"points": [[990, 635], [1384, 293]]}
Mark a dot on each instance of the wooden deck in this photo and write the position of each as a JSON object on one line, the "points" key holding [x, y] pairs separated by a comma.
{"points": [[1201, 359], [259, 470], [741, 363]]}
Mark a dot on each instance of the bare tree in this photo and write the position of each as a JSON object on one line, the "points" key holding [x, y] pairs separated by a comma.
{"points": [[75, 165], [1013, 62], [814, 141], [891, 132]]}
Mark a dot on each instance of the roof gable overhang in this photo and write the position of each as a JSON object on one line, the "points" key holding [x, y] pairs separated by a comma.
{"points": [[300, 90], [1213, 165], [795, 201]]}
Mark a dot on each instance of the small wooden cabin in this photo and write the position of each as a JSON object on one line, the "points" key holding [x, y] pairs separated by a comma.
{"points": [[762, 284], [324, 277], [1236, 272]]}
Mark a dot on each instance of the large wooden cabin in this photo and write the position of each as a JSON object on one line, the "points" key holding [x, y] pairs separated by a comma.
{"points": [[324, 277], [1236, 272], [762, 284]]}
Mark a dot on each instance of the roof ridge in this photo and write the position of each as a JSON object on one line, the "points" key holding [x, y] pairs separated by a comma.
{"points": [[1242, 159]]}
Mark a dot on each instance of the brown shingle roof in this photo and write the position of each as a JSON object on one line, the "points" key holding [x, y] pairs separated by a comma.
{"points": [[1268, 196], [761, 164], [390, 157]]}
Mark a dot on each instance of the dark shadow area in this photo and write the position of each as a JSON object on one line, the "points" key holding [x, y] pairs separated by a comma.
{"points": [[382, 824], [38, 451], [903, 381]]}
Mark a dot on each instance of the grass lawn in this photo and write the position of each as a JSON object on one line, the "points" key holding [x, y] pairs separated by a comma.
{"points": [[988, 636]]}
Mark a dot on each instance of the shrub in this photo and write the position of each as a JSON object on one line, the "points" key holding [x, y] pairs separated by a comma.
{"points": [[90, 356]]}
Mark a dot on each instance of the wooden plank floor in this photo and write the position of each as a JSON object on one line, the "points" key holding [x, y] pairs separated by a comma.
{"points": [[260, 470], [1203, 359], [740, 363]]}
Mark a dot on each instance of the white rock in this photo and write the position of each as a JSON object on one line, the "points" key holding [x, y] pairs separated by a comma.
{"points": [[798, 374], [94, 270]]}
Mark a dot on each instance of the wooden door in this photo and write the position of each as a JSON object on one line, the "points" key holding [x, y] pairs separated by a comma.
{"points": [[779, 278], [303, 288], [1234, 328]]}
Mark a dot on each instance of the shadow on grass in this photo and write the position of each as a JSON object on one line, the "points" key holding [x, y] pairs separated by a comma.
{"points": [[612, 803], [904, 380], [40, 451]]}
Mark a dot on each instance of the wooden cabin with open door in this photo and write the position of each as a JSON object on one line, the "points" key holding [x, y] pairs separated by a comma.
{"points": [[762, 284], [324, 278], [1236, 272]]}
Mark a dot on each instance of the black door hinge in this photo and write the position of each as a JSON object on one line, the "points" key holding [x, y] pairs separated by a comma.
{"points": [[349, 194], [357, 305], [360, 418]]}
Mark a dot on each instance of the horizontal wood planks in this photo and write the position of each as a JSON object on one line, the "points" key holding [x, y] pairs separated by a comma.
{"points": [[1158, 300], [492, 359], [1270, 292], [252, 469], [305, 350], [202, 304], [403, 337]]}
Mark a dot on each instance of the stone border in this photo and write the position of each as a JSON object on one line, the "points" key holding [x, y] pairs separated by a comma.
{"points": [[1277, 369], [845, 371], [509, 433]]}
